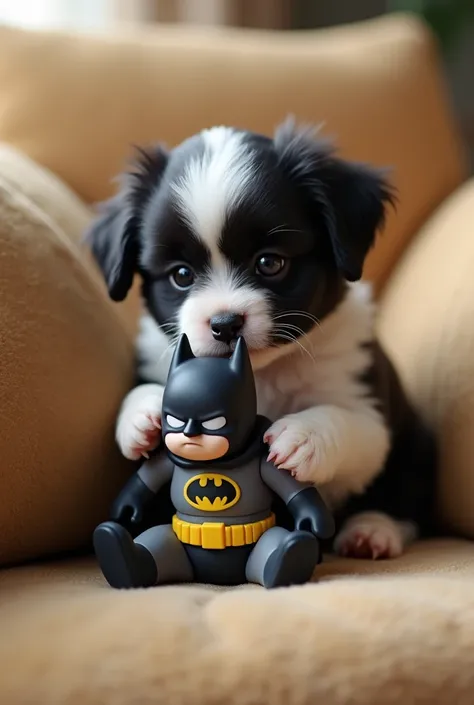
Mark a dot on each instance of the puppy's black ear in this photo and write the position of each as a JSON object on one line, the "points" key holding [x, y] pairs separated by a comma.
{"points": [[351, 198], [114, 236], [113, 240]]}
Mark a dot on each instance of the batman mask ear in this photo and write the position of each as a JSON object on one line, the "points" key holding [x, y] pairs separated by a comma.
{"points": [[350, 198], [114, 235], [240, 361], [182, 353]]}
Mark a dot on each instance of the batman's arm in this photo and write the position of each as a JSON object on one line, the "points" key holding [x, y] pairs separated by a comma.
{"points": [[302, 499], [156, 472], [141, 488]]}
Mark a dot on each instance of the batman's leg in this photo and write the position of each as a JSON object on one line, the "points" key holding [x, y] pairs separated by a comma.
{"points": [[156, 556], [171, 561], [282, 557]]}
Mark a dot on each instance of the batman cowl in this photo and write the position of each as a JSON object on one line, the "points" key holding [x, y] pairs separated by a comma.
{"points": [[212, 396]]}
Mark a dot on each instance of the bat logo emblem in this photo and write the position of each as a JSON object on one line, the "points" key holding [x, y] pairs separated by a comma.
{"points": [[211, 492]]}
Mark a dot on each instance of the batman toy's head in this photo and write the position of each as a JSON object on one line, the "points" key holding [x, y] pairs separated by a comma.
{"points": [[209, 403]]}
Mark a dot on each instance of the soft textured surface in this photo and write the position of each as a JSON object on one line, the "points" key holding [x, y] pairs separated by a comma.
{"points": [[75, 104], [67, 357], [427, 324], [369, 633], [66, 362], [391, 632]]}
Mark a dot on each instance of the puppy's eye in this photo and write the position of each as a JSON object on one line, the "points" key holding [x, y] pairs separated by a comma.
{"points": [[214, 424], [182, 277], [269, 265], [173, 422]]}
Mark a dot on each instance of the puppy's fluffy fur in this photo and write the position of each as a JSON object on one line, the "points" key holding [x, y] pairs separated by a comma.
{"points": [[274, 232]]}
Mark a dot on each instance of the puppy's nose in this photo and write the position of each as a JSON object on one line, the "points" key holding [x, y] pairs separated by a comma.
{"points": [[226, 326]]}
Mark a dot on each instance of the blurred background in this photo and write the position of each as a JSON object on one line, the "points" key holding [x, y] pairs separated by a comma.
{"points": [[452, 21]]}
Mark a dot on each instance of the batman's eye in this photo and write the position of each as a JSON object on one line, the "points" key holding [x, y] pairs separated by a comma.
{"points": [[173, 422], [214, 424], [182, 277]]}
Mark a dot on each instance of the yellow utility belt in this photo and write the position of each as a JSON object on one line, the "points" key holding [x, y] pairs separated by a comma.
{"points": [[218, 535]]}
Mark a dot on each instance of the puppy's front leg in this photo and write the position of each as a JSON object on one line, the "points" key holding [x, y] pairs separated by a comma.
{"points": [[330, 444], [138, 429]]}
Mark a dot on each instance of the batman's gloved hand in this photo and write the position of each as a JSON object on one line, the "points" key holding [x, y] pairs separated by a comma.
{"points": [[131, 502], [311, 514]]}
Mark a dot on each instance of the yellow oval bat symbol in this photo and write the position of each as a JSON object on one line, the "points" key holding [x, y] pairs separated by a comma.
{"points": [[211, 492]]}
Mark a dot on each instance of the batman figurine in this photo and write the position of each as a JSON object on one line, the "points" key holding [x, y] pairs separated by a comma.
{"points": [[222, 489]]}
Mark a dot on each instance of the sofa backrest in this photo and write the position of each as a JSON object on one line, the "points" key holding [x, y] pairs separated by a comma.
{"points": [[76, 103]]}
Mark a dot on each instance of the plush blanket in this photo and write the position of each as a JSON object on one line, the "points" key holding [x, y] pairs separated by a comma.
{"points": [[366, 634]]}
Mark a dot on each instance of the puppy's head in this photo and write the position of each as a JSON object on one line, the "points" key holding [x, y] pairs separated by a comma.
{"points": [[234, 233]]}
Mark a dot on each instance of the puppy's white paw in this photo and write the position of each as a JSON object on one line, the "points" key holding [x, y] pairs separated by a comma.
{"points": [[305, 449], [371, 535], [139, 426]]}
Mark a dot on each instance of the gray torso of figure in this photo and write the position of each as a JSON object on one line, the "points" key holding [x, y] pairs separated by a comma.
{"points": [[234, 495]]}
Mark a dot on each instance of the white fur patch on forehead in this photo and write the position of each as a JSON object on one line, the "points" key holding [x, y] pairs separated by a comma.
{"points": [[213, 184]]}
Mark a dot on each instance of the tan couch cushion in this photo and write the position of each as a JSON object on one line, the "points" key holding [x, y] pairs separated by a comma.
{"points": [[66, 362], [427, 324], [75, 103], [45, 191], [357, 638]]}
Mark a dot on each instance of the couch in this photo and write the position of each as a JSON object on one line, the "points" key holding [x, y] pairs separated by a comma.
{"points": [[363, 633]]}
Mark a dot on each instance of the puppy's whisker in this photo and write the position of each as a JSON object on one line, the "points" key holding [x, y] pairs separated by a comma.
{"points": [[172, 344], [287, 335], [277, 230], [284, 336], [171, 327], [303, 314], [171, 331], [291, 339], [305, 350], [290, 326]]}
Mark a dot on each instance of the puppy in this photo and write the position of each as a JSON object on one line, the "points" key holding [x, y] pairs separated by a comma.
{"points": [[234, 233]]}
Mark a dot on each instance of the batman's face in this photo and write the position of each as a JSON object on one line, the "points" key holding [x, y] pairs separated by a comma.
{"points": [[209, 404], [207, 444]]}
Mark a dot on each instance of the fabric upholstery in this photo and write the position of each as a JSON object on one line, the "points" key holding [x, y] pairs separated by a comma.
{"points": [[369, 633], [66, 363], [426, 323], [395, 632], [76, 103]]}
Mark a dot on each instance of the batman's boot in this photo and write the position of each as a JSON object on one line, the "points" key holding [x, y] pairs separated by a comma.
{"points": [[293, 561], [283, 557], [125, 564]]}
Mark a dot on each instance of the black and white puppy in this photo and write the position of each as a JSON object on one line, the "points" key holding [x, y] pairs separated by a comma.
{"points": [[234, 233]]}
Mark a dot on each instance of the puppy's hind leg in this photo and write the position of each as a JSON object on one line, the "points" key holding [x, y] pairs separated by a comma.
{"points": [[374, 535]]}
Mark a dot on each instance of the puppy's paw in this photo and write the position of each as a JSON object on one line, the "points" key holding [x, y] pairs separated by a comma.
{"points": [[374, 536], [303, 448], [139, 427]]}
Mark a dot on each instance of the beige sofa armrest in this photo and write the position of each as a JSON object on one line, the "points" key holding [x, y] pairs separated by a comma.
{"points": [[66, 362], [427, 324]]}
